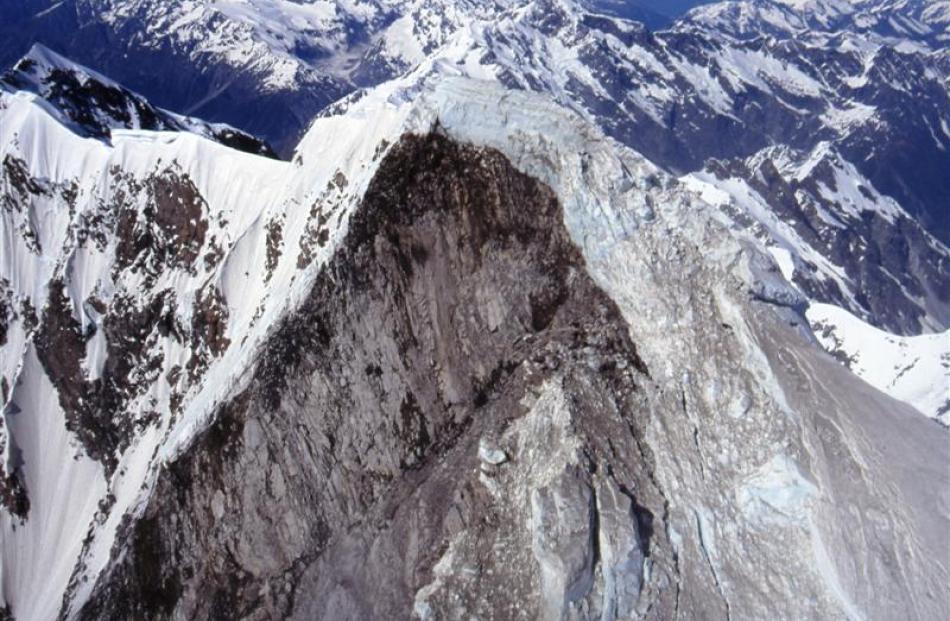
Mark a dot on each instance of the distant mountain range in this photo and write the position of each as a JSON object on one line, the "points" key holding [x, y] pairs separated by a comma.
{"points": [[273, 77]]}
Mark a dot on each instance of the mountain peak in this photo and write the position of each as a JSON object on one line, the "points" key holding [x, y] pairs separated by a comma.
{"points": [[95, 105], [41, 60]]}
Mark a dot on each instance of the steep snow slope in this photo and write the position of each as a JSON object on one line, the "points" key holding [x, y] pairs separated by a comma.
{"points": [[141, 274]]}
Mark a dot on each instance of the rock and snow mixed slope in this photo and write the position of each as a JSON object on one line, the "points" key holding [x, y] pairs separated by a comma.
{"points": [[464, 355], [848, 244], [137, 277], [854, 113], [710, 386], [266, 66], [914, 369]]}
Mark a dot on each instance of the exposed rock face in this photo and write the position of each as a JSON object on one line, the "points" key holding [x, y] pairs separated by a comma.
{"points": [[61, 347], [170, 231], [6, 312], [13, 496], [346, 482]]}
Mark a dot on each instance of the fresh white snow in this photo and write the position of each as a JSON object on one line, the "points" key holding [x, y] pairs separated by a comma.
{"points": [[913, 369]]}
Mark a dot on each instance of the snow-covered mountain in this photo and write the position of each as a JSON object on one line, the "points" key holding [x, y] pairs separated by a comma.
{"points": [[914, 369], [685, 103], [248, 64], [94, 105], [266, 66], [904, 23], [549, 317], [843, 242]]}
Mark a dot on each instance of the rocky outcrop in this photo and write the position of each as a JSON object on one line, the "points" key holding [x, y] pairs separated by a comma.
{"points": [[61, 347], [6, 311], [455, 405], [170, 230], [13, 496]]}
